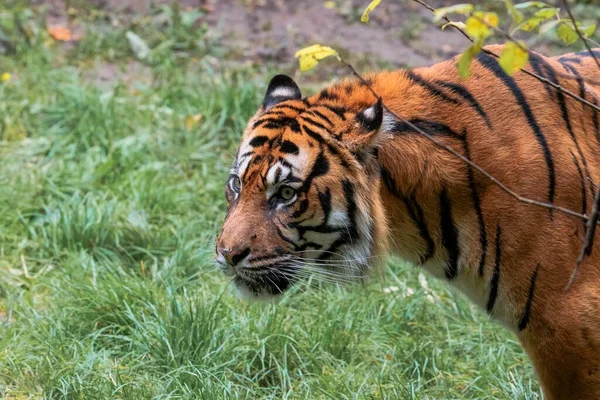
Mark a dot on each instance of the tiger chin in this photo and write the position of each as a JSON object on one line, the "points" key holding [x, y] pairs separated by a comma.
{"points": [[331, 183]]}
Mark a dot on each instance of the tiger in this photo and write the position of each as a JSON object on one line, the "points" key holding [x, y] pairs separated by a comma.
{"points": [[336, 181]]}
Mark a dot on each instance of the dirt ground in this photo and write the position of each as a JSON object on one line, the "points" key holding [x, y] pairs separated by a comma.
{"points": [[400, 32]]}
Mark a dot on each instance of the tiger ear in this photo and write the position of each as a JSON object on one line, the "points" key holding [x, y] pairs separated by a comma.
{"points": [[281, 88], [368, 124], [370, 119]]}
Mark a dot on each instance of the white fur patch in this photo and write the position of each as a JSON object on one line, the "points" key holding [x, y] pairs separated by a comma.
{"points": [[388, 123], [283, 92]]}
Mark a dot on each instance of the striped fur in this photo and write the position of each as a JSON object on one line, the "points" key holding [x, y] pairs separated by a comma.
{"points": [[332, 181]]}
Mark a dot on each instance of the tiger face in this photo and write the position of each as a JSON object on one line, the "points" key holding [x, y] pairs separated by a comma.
{"points": [[301, 200]]}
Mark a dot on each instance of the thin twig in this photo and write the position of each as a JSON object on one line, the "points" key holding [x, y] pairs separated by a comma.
{"points": [[463, 158], [583, 38], [590, 226]]}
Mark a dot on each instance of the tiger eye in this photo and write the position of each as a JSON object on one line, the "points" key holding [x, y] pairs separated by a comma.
{"points": [[287, 193], [236, 184]]}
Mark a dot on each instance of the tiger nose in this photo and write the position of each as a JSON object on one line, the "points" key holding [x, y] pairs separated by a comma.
{"points": [[234, 255]]}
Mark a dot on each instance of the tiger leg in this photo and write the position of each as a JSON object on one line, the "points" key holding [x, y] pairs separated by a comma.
{"points": [[563, 341]]}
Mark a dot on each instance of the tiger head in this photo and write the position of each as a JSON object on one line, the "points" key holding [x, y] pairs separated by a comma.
{"points": [[303, 192]]}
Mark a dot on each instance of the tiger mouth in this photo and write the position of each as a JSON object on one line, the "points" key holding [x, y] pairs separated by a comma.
{"points": [[264, 280]]}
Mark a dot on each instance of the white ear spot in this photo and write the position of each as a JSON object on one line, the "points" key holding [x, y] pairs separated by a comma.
{"points": [[369, 112], [283, 92]]}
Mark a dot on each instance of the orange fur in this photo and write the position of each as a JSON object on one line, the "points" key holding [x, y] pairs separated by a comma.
{"points": [[424, 204]]}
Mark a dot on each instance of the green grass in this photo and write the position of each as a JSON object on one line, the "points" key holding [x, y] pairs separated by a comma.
{"points": [[109, 206]]}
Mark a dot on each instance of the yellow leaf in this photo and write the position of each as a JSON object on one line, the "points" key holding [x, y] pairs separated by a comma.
{"points": [[513, 57], [4, 77], [191, 121], [531, 23], [365, 17], [480, 23], [455, 9], [310, 56], [329, 4], [460, 25]]}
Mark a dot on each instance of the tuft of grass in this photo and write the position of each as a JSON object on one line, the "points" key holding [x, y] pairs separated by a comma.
{"points": [[112, 196]]}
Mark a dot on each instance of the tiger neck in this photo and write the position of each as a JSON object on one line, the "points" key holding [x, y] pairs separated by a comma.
{"points": [[426, 206]]}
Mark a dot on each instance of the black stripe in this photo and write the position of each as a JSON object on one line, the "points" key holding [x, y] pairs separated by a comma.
{"points": [[583, 189], [327, 95], [302, 207], [285, 163], [288, 147], [431, 127], [449, 235], [288, 106], [496, 275], [582, 93], [492, 65], [351, 209], [527, 313], [285, 238], [414, 211], [320, 167], [258, 141], [542, 70], [434, 91], [332, 149], [350, 232], [586, 53], [565, 59], [573, 70], [273, 123], [295, 126], [321, 115], [595, 119], [325, 200], [339, 111], [277, 175], [314, 123], [477, 206], [465, 94], [537, 60]]}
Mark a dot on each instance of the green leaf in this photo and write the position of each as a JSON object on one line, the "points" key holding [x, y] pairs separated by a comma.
{"points": [[566, 33], [529, 4], [465, 59], [513, 57], [440, 13], [587, 30], [516, 15], [546, 13], [365, 16]]}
